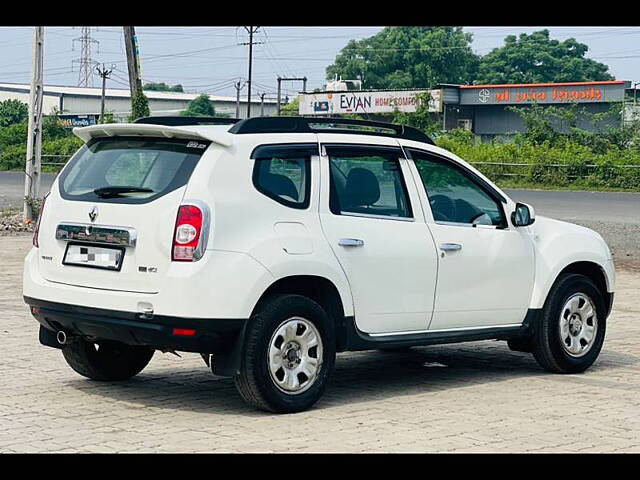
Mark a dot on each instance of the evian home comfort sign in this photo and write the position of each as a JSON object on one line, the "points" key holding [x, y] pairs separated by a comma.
{"points": [[335, 103]]}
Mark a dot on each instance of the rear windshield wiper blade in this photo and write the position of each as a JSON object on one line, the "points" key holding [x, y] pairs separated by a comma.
{"points": [[106, 192]]}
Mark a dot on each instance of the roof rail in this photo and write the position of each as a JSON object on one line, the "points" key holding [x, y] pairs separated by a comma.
{"points": [[332, 125], [179, 121]]}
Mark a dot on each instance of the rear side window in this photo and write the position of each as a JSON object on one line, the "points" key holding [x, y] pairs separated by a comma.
{"points": [[129, 170], [367, 181], [282, 172]]}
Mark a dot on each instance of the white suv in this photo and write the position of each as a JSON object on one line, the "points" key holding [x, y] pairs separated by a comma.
{"points": [[269, 244]]}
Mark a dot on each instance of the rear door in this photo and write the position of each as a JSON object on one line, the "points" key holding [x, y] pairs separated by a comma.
{"points": [[372, 220], [119, 195]]}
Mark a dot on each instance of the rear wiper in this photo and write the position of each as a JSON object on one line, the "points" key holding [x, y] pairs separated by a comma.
{"points": [[106, 192]]}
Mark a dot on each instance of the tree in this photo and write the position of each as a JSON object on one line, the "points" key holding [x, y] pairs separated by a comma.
{"points": [[12, 112], [139, 107], [162, 87], [290, 109], [422, 118], [408, 57], [536, 58], [200, 106]]}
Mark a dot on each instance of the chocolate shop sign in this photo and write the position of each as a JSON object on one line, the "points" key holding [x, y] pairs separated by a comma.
{"points": [[514, 95]]}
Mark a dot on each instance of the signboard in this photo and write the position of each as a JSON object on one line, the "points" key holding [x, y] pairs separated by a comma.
{"points": [[71, 121], [603, 92], [359, 101]]}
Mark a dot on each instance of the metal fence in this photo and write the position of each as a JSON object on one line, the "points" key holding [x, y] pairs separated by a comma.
{"points": [[503, 169]]}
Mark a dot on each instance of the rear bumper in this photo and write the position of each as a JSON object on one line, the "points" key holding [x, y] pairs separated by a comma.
{"points": [[211, 335]]}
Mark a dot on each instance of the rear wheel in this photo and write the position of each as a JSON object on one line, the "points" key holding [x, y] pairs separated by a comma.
{"points": [[572, 327], [288, 355], [106, 360]]}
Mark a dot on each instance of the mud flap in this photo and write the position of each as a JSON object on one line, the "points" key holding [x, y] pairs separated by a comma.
{"points": [[228, 364]]}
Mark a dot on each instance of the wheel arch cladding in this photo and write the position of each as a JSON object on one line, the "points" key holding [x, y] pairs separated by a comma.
{"points": [[319, 289], [591, 270]]}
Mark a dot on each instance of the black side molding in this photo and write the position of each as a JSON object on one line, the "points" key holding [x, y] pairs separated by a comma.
{"points": [[358, 340]]}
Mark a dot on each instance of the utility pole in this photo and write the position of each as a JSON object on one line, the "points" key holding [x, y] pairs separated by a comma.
{"points": [[133, 62], [104, 73], [238, 86], [34, 138], [262, 104], [289, 79], [279, 93], [251, 31], [85, 76]]}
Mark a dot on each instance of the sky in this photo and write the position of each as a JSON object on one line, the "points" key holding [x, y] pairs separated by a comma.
{"points": [[212, 59]]}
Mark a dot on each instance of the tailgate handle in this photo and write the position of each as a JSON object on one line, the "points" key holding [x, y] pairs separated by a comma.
{"points": [[102, 234]]}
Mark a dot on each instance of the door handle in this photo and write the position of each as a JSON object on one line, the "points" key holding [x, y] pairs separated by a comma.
{"points": [[450, 247], [350, 242]]}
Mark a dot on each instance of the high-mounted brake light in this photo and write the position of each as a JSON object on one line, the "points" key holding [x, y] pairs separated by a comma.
{"points": [[36, 243], [187, 233]]}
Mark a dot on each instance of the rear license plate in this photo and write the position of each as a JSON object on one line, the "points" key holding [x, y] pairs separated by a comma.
{"points": [[107, 258]]}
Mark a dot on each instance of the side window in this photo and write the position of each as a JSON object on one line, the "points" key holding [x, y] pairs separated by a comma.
{"points": [[453, 195], [283, 173], [367, 181]]}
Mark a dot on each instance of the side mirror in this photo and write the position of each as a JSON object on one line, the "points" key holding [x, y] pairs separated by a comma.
{"points": [[523, 215]]}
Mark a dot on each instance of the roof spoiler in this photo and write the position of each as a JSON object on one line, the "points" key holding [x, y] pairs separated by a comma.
{"points": [[150, 130], [180, 121]]}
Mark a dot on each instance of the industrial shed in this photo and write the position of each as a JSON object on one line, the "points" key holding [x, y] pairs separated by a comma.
{"points": [[86, 101]]}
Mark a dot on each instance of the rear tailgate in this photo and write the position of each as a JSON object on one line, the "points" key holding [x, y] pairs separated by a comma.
{"points": [[136, 226]]}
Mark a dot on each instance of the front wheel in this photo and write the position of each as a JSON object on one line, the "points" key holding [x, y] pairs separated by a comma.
{"points": [[106, 360], [572, 327], [288, 355]]}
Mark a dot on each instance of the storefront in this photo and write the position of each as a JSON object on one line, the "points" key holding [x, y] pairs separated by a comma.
{"points": [[484, 109]]}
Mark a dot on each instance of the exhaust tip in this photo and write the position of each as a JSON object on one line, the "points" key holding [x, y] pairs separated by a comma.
{"points": [[61, 336]]}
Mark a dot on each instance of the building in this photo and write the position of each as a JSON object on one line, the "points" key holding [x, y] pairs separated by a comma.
{"points": [[84, 101], [483, 109]]}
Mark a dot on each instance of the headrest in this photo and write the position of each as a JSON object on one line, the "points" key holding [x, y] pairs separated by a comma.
{"points": [[362, 188], [280, 185]]}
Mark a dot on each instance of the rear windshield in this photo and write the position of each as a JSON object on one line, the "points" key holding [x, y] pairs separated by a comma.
{"points": [[129, 170]]}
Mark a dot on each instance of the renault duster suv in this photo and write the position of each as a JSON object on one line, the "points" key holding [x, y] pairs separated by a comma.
{"points": [[269, 244]]}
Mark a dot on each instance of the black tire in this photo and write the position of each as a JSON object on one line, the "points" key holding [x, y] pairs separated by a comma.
{"points": [[106, 360], [254, 382], [547, 345]]}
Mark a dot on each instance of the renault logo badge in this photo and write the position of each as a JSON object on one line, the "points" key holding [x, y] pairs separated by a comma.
{"points": [[93, 213]]}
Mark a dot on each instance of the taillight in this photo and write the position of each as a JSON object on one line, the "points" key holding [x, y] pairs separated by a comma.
{"points": [[186, 235], [37, 230]]}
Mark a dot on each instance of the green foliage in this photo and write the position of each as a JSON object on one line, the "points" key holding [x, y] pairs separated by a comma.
{"points": [[200, 106], [551, 158], [408, 57], [51, 129], [12, 112], [535, 58], [56, 140], [139, 107], [291, 109], [162, 87], [421, 118]]}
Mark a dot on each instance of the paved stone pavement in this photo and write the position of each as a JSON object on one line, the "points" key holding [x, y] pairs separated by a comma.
{"points": [[473, 397]]}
